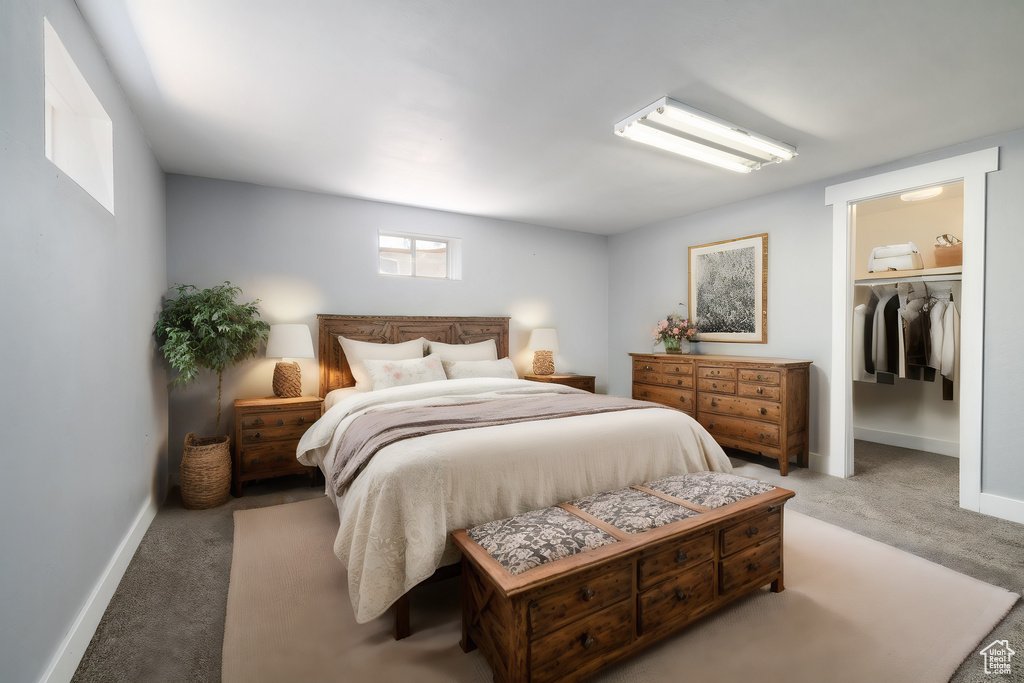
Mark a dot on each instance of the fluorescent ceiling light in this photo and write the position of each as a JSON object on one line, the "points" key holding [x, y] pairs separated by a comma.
{"points": [[675, 127], [917, 195]]}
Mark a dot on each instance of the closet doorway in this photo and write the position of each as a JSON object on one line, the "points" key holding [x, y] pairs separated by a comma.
{"points": [[970, 170]]}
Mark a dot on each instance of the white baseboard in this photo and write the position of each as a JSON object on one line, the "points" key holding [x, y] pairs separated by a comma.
{"points": [[1003, 508], [920, 443], [72, 648]]}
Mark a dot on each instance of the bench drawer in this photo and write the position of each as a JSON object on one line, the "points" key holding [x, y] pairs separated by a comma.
{"points": [[753, 567], [558, 603], [678, 598], [673, 557], [752, 530], [582, 646]]}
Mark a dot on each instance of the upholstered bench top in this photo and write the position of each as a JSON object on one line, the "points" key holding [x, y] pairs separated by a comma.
{"points": [[531, 539]]}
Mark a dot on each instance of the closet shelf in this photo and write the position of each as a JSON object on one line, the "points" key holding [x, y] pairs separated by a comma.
{"points": [[933, 275]]}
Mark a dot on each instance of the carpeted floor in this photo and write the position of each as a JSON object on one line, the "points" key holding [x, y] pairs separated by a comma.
{"points": [[166, 620]]}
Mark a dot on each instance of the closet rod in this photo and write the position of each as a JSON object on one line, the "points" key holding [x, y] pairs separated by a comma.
{"points": [[911, 278]]}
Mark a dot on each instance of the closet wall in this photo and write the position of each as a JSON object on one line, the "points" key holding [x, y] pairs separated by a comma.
{"points": [[910, 413]]}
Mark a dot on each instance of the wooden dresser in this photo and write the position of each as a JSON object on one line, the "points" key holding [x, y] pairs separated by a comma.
{"points": [[758, 405], [267, 432]]}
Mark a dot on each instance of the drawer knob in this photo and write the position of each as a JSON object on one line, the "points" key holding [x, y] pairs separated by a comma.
{"points": [[302, 420], [679, 381], [764, 411], [760, 390], [648, 367], [759, 376], [761, 435], [681, 556], [714, 404], [681, 596], [752, 531], [588, 640], [682, 399], [588, 594], [711, 425], [753, 566], [257, 422], [644, 394], [279, 458], [255, 461], [280, 423]]}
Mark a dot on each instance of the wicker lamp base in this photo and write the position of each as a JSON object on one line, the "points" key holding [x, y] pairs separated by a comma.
{"points": [[287, 380], [205, 471], [543, 363]]}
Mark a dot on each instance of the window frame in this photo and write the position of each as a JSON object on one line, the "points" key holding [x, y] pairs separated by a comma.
{"points": [[452, 253]]}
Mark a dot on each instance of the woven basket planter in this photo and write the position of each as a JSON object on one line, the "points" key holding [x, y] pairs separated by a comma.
{"points": [[205, 471]]}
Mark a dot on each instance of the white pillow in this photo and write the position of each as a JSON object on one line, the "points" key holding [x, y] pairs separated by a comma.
{"points": [[397, 373], [461, 369], [358, 351], [333, 397], [485, 350]]}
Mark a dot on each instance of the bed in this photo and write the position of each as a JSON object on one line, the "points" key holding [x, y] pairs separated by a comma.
{"points": [[397, 513]]}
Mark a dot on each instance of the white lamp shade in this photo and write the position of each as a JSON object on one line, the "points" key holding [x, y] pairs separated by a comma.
{"points": [[289, 341], [543, 339]]}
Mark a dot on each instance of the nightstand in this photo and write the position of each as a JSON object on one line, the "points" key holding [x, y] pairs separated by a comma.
{"points": [[267, 433], [585, 382]]}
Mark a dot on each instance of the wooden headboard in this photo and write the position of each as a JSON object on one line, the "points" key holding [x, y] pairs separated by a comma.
{"points": [[392, 329]]}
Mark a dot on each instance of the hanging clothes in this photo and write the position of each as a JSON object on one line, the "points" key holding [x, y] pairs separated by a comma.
{"points": [[860, 373]]}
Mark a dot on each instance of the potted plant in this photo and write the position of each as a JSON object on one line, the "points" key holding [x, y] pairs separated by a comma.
{"points": [[206, 329], [672, 331]]}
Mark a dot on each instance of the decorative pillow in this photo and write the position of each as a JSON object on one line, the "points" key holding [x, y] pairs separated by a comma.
{"points": [[461, 369], [485, 350], [397, 373], [358, 351]]}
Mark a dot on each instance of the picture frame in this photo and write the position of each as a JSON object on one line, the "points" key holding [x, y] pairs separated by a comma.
{"points": [[728, 290]]}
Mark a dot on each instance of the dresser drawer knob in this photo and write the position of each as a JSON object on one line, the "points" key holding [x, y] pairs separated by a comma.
{"points": [[280, 423], [257, 422], [711, 425], [302, 420], [648, 368], [760, 390], [588, 594], [714, 385], [714, 403], [256, 435], [752, 531], [761, 435], [679, 381], [588, 640], [681, 596], [759, 376], [680, 556], [764, 411], [682, 399], [753, 566]]}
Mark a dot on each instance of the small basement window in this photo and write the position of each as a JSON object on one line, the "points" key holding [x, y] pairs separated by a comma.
{"points": [[412, 255], [79, 135]]}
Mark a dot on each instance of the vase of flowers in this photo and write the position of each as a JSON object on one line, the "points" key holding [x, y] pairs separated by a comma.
{"points": [[673, 331]]}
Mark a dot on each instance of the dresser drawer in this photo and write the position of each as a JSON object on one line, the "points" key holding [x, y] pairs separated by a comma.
{"points": [[755, 566], [579, 648], [716, 386], [756, 433], [712, 372], [740, 407], [666, 396], [677, 381], [678, 598], [269, 458], [558, 603], [642, 366], [677, 368], [759, 376], [672, 557], [769, 393], [302, 418], [752, 530]]}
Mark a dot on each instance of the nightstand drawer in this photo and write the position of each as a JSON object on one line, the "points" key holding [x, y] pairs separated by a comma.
{"points": [[280, 418], [288, 432], [269, 457]]}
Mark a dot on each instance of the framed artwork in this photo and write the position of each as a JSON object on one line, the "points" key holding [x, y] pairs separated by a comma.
{"points": [[728, 294]]}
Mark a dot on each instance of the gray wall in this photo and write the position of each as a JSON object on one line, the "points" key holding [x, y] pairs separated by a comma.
{"points": [[649, 269], [84, 399], [302, 253]]}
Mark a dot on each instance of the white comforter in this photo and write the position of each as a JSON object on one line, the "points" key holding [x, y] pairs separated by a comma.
{"points": [[397, 514]]}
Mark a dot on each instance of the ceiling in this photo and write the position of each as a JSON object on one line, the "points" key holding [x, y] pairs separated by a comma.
{"points": [[505, 108]]}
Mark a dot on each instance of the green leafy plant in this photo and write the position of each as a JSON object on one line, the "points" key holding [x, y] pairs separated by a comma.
{"points": [[208, 329]]}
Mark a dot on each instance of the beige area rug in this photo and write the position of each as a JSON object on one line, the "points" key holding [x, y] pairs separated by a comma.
{"points": [[853, 610]]}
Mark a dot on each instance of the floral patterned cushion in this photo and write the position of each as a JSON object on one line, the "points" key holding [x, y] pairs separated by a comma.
{"points": [[632, 511], [534, 538], [710, 489]]}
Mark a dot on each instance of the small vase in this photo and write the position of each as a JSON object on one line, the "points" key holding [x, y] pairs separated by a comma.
{"points": [[673, 346]]}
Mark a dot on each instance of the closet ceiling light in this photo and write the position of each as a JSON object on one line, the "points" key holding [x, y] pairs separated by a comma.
{"points": [[675, 127], [918, 195]]}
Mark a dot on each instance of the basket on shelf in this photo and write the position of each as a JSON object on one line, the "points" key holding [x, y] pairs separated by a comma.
{"points": [[205, 471]]}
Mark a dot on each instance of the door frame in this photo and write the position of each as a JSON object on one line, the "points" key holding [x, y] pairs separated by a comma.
{"points": [[971, 169]]}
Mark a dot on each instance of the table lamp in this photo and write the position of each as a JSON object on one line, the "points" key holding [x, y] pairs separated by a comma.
{"points": [[544, 342], [289, 341]]}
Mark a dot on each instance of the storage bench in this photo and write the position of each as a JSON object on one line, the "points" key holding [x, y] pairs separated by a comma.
{"points": [[557, 594]]}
